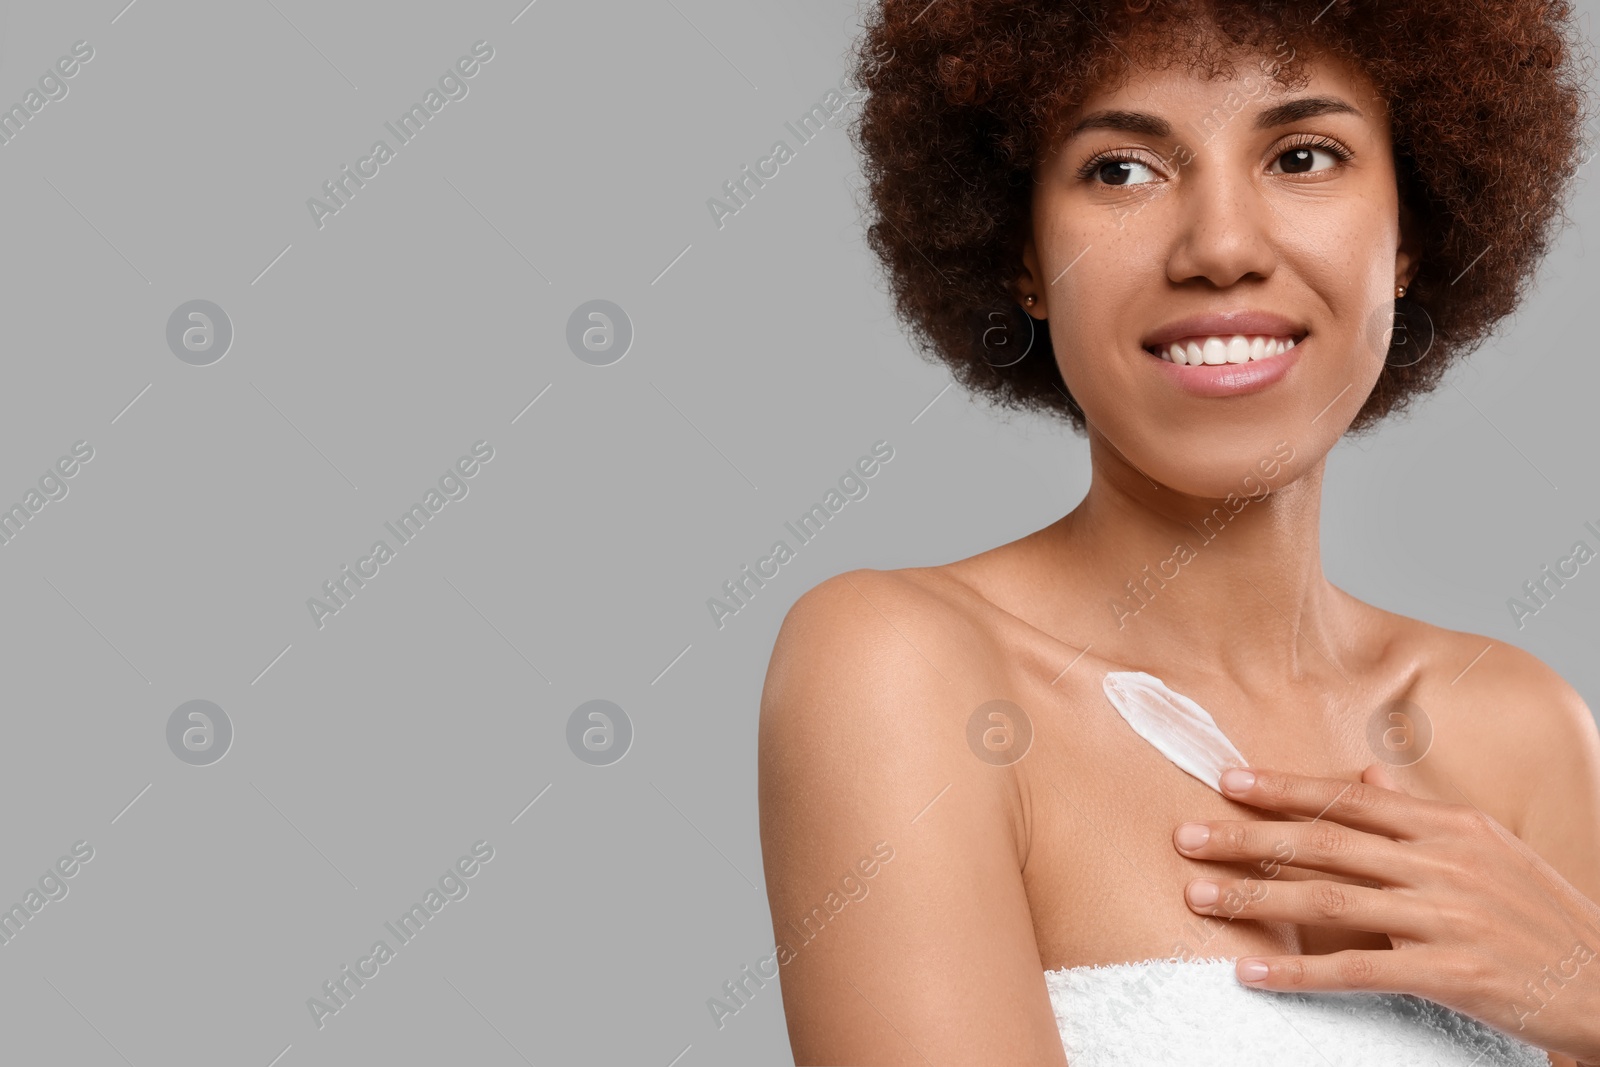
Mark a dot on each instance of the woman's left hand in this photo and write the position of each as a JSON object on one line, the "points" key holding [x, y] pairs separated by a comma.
{"points": [[1478, 921]]}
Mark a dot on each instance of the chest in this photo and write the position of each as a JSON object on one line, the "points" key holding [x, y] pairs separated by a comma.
{"points": [[1104, 882]]}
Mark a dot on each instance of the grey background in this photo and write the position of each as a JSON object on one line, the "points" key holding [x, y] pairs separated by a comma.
{"points": [[369, 355]]}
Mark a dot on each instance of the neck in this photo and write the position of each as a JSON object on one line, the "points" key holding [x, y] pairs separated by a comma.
{"points": [[1232, 583]]}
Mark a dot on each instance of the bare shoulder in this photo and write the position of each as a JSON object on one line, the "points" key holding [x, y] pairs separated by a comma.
{"points": [[891, 851], [873, 665], [1512, 737], [956, 620], [870, 674], [1512, 712], [862, 617]]}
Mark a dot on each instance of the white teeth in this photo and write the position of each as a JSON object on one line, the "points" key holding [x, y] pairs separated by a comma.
{"points": [[1218, 350]]}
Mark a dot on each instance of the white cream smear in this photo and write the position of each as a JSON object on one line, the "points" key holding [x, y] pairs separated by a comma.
{"points": [[1180, 729]]}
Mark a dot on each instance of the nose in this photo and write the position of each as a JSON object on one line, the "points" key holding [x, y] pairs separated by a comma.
{"points": [[1226, 228]]}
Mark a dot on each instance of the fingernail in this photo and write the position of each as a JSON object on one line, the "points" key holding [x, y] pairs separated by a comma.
{"points": [[1237, 779], [1251, 970], [1202, 893], [1192, 835]]}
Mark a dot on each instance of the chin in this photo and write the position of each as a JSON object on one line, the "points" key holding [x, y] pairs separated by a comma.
{"points": [[1243, 466]]}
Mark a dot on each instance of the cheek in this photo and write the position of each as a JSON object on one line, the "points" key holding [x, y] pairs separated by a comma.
{"points": [[1090, 245], [1101, 271], [1351, 276], [1345, 250], [1353, 267], [1093, 258]]}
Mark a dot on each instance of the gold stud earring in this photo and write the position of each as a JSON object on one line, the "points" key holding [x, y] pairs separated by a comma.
{"points": [[1399, 291]]}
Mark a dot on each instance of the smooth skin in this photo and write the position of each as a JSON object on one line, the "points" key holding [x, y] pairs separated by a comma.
{"points": [[1064, 853]]}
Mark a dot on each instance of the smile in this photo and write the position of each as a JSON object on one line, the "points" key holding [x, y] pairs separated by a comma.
{"points": [[1216, 349]]}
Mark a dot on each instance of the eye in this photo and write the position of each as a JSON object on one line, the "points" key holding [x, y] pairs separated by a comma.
{"points": [[1118, 170], [1309, 158]]}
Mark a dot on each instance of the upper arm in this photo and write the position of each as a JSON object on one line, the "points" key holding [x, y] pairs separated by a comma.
{"points": [[1559, 753], [1562, 819], [864, 767]]}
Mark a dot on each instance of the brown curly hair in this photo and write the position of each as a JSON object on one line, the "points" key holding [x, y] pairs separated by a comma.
{"points": [[1487, 106]]}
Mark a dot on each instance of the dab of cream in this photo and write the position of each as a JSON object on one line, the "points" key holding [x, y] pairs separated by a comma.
{"points": [[1180, 729]]}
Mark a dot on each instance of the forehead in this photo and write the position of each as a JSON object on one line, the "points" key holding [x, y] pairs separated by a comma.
{"points": [[1154, 75]]}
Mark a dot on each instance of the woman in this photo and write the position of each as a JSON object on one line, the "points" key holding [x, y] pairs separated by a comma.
{"points": [[1214, 237]]}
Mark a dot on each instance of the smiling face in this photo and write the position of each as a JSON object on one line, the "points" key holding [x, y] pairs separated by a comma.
{"points": [[1218, 259]]}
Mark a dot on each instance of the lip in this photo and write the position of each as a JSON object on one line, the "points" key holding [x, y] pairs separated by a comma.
{"points": [[1229, 379], [1247, 322]]}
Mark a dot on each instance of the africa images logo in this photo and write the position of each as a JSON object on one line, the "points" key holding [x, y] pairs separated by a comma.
{"points": [[453, 485], [452, 886], [852, 486], [452, 86]]}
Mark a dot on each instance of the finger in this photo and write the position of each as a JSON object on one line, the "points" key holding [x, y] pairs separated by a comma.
{"points": [[1310, 902], [1356, 804], [1317, 846], [1370, 970], [1377, 774]]}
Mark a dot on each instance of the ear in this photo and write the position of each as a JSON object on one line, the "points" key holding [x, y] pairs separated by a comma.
{"points": [[1408, 253], [1027, 283]]}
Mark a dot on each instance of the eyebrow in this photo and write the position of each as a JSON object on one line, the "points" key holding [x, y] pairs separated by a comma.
{"points": [[1130, 121], [1304, 108], [1155, 126]]}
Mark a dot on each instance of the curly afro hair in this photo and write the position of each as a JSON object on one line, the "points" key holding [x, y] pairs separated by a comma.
{"points": [[1487, 108]]}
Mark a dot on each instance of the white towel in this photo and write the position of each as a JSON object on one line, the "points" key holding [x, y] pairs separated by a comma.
{"points": [[1196, 1013]]}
